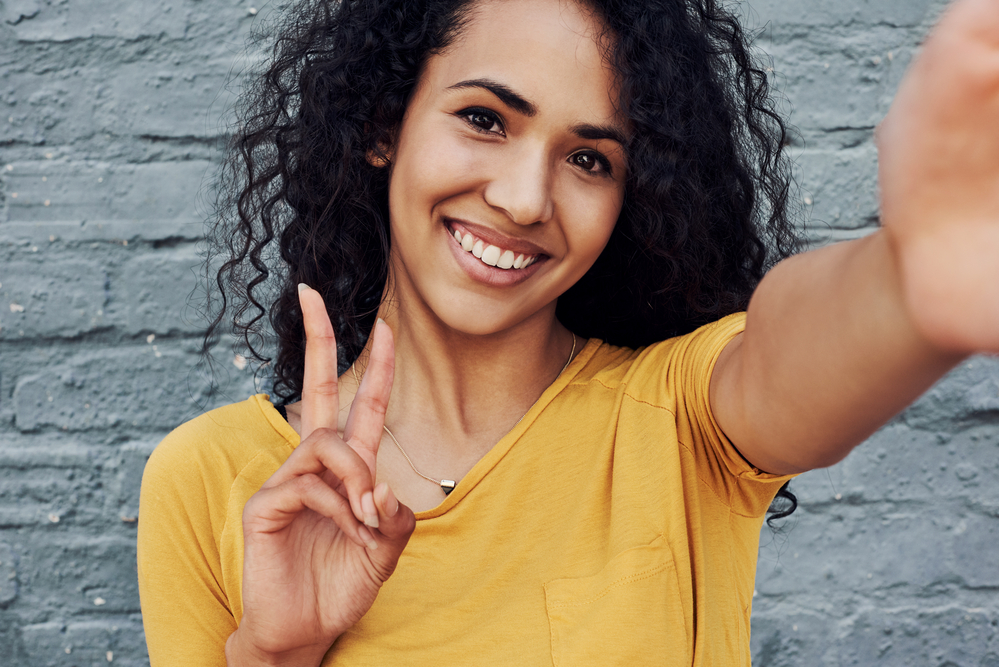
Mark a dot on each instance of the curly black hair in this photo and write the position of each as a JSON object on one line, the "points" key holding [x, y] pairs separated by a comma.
{"points": [[706, 209]]}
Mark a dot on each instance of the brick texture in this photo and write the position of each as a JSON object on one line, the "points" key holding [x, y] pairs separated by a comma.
{"points": [[111, 116]]}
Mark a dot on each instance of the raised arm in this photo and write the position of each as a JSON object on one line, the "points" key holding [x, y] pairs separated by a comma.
{"points": [[840, 339]]}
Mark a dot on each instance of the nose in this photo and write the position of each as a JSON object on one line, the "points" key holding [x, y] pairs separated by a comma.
{"points": [[521, 186]]}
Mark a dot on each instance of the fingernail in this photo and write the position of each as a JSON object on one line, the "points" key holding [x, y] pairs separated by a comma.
{"points": [[369, 510], [302, 287], [367, 537], [393, 505], [381, 320]]}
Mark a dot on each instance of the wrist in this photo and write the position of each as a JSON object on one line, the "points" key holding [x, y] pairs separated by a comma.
{"points": [[242, 653]]}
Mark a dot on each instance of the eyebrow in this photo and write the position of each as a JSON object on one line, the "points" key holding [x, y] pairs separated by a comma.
{"points": [[503, 92], [522, 105], [595, 132]]}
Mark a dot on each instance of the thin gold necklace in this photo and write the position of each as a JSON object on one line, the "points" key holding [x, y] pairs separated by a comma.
{"points": [[447, 485]]}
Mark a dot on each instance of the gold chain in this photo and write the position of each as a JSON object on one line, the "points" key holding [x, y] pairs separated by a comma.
{"points": [[447, 485]]}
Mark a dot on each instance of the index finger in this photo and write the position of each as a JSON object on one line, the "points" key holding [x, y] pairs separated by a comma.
{"points": [[320, 397]]}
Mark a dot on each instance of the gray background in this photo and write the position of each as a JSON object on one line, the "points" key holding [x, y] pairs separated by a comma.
{"points": [[110, 116]]}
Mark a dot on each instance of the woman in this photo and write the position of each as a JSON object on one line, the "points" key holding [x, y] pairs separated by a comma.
{"points": [[497, 181]]}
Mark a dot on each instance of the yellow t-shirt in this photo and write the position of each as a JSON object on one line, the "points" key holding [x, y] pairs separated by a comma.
{"points": [[615, 524]]}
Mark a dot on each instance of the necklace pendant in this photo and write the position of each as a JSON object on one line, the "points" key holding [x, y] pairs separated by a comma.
{"points": [[447, 486]]}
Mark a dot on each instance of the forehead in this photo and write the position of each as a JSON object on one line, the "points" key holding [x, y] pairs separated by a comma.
{"points": [[550, 51]]}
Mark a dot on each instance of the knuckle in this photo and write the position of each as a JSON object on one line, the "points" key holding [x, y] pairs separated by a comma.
{"points": [[324, 388], [256, 506], [382, 364], [250, 508], [355, 471], [408, 524], [307, 483], [319, 332], [373, 403], [321, 437]]}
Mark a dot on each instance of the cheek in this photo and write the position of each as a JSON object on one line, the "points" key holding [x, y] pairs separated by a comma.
{"points": [[593, 219], [429, 169]]}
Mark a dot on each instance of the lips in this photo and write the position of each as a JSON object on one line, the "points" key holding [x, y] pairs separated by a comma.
{"points": [[506, 252], [492, 255], [492, 249]]}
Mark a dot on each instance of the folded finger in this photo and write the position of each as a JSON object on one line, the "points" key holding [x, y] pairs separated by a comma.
{"points": [[324, 451], [273, 509]]}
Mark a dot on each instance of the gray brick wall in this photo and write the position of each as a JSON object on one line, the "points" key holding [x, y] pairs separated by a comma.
{"points": [[111, 112]]}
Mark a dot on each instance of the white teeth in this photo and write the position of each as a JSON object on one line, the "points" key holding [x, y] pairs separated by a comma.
{"points": [[491, 255]]}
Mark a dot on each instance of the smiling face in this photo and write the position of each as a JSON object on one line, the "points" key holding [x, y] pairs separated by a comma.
{"points": [[508, 170]]}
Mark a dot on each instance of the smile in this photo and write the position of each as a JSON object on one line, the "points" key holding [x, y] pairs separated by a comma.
{"points": [[493, 255]]}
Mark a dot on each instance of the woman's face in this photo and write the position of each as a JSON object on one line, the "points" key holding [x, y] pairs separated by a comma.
{"points": [[512, 143]]}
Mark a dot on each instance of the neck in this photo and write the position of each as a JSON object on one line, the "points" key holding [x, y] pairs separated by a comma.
{"points": [[456, 394]]}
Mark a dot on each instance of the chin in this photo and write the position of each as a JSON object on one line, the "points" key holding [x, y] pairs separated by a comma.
{"points": [[480, 317]]}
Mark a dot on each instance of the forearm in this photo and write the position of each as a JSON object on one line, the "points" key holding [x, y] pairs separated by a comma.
{"points": [[830, 353]]}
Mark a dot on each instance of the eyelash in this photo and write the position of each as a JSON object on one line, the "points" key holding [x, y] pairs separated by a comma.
{"points": [[466, 114]]}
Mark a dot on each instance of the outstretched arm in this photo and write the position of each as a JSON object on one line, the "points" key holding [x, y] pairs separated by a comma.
{"points": [[840, 339]]}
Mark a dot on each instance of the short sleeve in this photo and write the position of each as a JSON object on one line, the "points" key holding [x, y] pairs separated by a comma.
{"points": [[691, 361], [184, 607]]}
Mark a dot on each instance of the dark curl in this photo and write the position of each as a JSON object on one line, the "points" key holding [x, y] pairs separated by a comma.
{"points": [[706, 210]]}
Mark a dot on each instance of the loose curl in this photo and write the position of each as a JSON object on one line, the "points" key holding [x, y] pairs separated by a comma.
{"points": [[706, 209]]}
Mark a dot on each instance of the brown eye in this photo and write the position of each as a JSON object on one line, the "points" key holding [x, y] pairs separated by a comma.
{"points": [[593, 163], [584, 160], [482, 120]]}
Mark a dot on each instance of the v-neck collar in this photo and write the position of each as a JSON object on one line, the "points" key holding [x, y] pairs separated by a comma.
{"points": [[506, 443], [491, 458]]}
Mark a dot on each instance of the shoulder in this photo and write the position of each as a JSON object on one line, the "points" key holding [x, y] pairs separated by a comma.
{"points": [[188, 577], [213, 448], [660, 372]]}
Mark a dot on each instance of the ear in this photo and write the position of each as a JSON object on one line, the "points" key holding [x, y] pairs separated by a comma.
{"points": [[378, 159], [380, 155]]}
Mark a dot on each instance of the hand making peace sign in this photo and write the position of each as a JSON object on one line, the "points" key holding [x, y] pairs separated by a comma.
{"points": [[311, 568]]}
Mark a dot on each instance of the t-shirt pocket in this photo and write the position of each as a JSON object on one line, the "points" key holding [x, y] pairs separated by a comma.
{"points": [[629, 613]]}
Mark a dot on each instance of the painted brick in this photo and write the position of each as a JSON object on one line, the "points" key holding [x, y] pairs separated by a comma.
{"points": [[950, 635], [150, 101], [840, 187], [8, 575], [84, 643], [123, 477], [54, 190], [861, 14], [110, 113], [39, 20], [843, 81], [860, 549], [138, 385], [43, 299], [78, 575], [150, 292], [969, 395]]}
